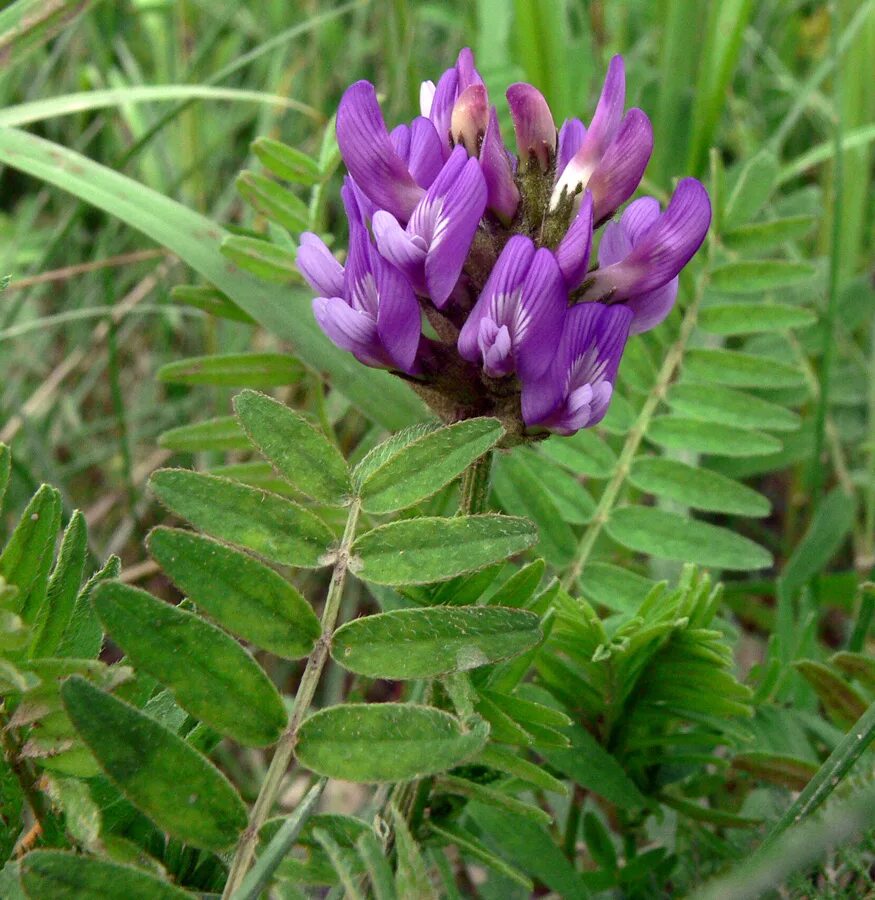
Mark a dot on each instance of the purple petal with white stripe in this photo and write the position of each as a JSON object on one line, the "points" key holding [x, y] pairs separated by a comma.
{"points": [[516, 322], [571, 136], [660, 249], [369, 155], [576, 390]]}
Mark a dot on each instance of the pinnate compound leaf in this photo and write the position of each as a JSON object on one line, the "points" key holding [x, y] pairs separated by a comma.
{"points": [[711, 403], [714, 438], [385, 450], [697, 487], [70, 876], [300, 453], [425, 643], [253, 370], [176, 787], [210, 674], [756, 276], [421, 551], [385, 742], [422, 467], [668, 535], [271, 526], [244, 596]]}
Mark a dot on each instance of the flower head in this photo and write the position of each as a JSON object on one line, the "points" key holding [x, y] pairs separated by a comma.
{"points": [[495, 249]]}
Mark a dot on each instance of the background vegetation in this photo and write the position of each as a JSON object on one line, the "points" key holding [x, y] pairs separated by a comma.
{"points": [[742, 439]]}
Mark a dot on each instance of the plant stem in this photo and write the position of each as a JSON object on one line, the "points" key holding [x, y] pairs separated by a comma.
{"points": [[475, 486], [309, 681], [633, 441]]}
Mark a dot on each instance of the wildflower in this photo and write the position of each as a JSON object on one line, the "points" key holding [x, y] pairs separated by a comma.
{"points": [[576, 389], [371, 309], [494, 249]]}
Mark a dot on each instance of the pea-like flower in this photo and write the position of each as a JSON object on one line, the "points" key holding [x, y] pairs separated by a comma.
{"points": [[469, 267]]}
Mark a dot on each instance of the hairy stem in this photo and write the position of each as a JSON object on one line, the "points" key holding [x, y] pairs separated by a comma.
{"points": [[285, 748]]}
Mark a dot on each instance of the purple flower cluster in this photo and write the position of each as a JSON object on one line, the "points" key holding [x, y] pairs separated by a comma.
{"points": [[468, 270]]}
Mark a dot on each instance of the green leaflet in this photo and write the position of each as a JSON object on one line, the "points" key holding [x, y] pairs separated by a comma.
{"points": [[584, 453], [286, 162], [210, 674], [243, 595], [271, 526], [263, 259], [425, 643], [157, 771], [420, 468], [671, 536], [301, 454], [752, 318], [274, 201], [222, 433], [386, 742], [753, 187], [697, 487], [763, 235], [843, 703], [736, 369], [709, 437], [71, 876], [25, 560], [712, 403], [253, 370], [55, 614], [756, 276], [614, 587], [420, 551]]}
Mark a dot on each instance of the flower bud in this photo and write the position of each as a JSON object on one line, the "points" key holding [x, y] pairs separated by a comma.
{"points": [[533, 124], [470, 118]]}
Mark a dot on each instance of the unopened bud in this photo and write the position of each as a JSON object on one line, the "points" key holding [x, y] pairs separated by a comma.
{"points": [[470, 118], [533, 124]]}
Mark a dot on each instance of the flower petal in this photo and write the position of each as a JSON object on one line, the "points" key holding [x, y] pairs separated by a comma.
{"points": [[369, 155], [622, 165], [426, 97], [664, 249], [456, 224], [318, 266], [573, 251], [571, 136], [426, 156], [532, 123], [404, 251], [350, 330], [638, 216], [540, 317], [649, 309], [507, 277], [470, 118], [399, 321], [503, 196]]}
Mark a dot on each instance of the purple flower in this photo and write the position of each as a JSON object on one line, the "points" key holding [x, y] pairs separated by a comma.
{"points": [[611, 155], [575, 391], [432, 249], [641, 255], [437, 102], [573, 251], [372, 160], [533, 124], [375, 314], [516, 322]]}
